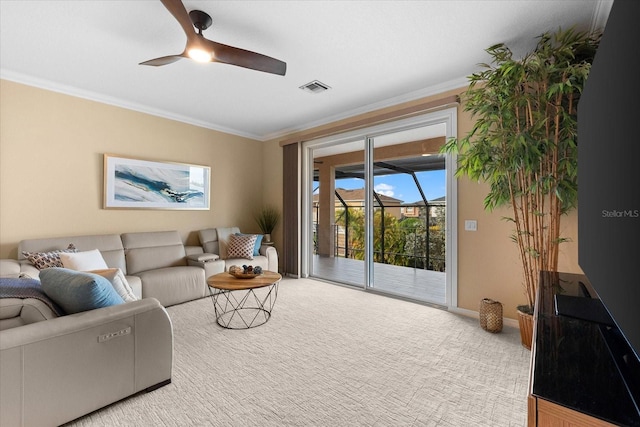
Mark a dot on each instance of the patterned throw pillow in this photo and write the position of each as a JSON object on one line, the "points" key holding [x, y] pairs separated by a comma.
{"points": [[241, 246], [42, 260], [256, 248]]}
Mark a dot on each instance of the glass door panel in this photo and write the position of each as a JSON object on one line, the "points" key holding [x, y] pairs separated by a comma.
{"points": [[338, 213], [409, 206]]}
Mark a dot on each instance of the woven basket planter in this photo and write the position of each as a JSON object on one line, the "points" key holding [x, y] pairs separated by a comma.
{"points": [[525, 321], [491, 315]]}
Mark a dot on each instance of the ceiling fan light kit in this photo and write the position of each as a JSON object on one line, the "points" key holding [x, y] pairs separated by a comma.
{"points": [[199, 55], [198, 50], [201, 49]]}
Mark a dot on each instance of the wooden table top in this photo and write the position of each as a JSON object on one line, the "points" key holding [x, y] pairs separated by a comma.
{"points": [[228, 282]]}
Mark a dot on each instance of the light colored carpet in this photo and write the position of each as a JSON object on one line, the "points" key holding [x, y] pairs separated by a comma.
{"points": [[334, 356]]}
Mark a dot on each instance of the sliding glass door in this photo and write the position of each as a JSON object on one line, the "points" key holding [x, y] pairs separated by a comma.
{"points": [[409, 209], [379, 211], [338, 212]]}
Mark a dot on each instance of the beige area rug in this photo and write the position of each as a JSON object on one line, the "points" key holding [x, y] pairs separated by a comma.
{"points": [[334, 356]]}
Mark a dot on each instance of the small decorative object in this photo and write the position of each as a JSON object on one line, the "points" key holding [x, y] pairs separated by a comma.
{"points": [[267, 218], [235, 269], [245, 272], [491, 315]]}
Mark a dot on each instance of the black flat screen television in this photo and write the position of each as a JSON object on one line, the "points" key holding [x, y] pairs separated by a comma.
{"points": [[609, 171]]}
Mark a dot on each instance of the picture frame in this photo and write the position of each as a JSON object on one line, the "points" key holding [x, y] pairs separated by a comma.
{"points": [[131, 183]]}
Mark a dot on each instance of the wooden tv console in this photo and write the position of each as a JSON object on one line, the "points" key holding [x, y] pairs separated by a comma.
{"points": [[574, 380]]}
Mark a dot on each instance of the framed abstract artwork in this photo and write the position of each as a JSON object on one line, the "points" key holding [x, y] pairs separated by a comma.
{"points": [[131, 183]]}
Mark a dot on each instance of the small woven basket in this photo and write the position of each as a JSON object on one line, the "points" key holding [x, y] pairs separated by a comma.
{"points": [[491, 315]]}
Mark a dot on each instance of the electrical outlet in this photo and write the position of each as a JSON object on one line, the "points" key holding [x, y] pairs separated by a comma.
{"points": [[470, 225]]}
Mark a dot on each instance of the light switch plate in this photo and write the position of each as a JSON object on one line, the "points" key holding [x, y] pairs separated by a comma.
{"points": [[470, 225]]}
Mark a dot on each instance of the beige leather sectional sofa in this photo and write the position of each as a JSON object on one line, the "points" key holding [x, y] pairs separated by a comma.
{"points": [[55, 369]]}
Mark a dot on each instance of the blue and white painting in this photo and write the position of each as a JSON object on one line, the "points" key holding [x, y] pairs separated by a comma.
{"points": [[136, 183]]}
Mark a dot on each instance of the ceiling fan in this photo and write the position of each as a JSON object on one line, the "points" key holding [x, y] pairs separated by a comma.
{"points": [[201, 49]]}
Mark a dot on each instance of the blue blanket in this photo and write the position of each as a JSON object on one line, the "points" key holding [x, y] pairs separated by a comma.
{"points": [[27, 288]]}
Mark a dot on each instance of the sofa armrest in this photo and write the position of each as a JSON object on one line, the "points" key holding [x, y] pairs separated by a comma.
{"points": [[202, 257], [98, 357], [15, 268], [210, 262], [272, 257]]}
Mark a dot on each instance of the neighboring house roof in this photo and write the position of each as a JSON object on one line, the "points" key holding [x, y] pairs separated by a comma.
{"points": [[357, 195], [437, 201]]}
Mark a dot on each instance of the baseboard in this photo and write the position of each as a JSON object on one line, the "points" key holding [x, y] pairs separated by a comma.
{"points": [[157, 386], [506, 321]]}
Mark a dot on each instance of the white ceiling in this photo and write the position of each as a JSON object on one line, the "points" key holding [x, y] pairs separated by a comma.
{"points": [[371, 53]]}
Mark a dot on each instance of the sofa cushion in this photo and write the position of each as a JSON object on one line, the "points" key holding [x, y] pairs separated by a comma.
{"points": [[83, 261], [241, 246], [209, 240], [151, 250], [223, 239], [118, 281], [77, 291], [49, 259], [173, 285]]}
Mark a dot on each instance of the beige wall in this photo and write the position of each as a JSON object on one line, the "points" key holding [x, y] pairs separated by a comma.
{"points": [[51, 148], [488, 264], [51, 161]]}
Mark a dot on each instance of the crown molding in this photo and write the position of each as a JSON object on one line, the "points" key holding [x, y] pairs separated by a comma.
{"points": [[389, 102], [116, 102]]}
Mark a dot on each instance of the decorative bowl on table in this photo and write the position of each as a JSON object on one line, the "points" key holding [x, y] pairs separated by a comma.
{"points": [[245, 272], [245, 275]]}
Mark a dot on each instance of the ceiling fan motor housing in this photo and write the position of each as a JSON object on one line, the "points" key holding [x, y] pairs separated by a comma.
{"points": [[200, 19]]}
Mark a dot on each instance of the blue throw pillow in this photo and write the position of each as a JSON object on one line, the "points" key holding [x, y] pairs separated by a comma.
{"points": [[77, 291], [256, 248]]}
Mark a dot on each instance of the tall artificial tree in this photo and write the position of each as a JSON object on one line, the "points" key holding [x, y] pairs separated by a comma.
{"points": [[524, 141]]}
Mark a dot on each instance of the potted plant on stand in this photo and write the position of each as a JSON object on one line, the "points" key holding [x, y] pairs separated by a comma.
{"points": [[267, 219], [524, 145]]}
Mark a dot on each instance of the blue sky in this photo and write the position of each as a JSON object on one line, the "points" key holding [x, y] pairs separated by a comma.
{"points": [[402, 186]]}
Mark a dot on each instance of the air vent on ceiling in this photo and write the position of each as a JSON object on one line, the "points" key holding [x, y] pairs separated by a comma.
{"points": [[315, 87]]}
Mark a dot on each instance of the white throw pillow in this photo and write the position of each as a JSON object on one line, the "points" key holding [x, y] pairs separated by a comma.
{"points": [[118, 281], [83, 261]]}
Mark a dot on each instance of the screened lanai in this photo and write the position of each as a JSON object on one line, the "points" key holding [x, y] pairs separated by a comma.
{"points": [[409, 235]]}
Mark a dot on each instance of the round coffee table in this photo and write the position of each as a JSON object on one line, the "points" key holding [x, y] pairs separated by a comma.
{"points": [[243, 303]]}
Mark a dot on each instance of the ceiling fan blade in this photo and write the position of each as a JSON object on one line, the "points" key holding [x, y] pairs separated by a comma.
{"points": [[177, 9], [247, 59], [163, 60]]}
